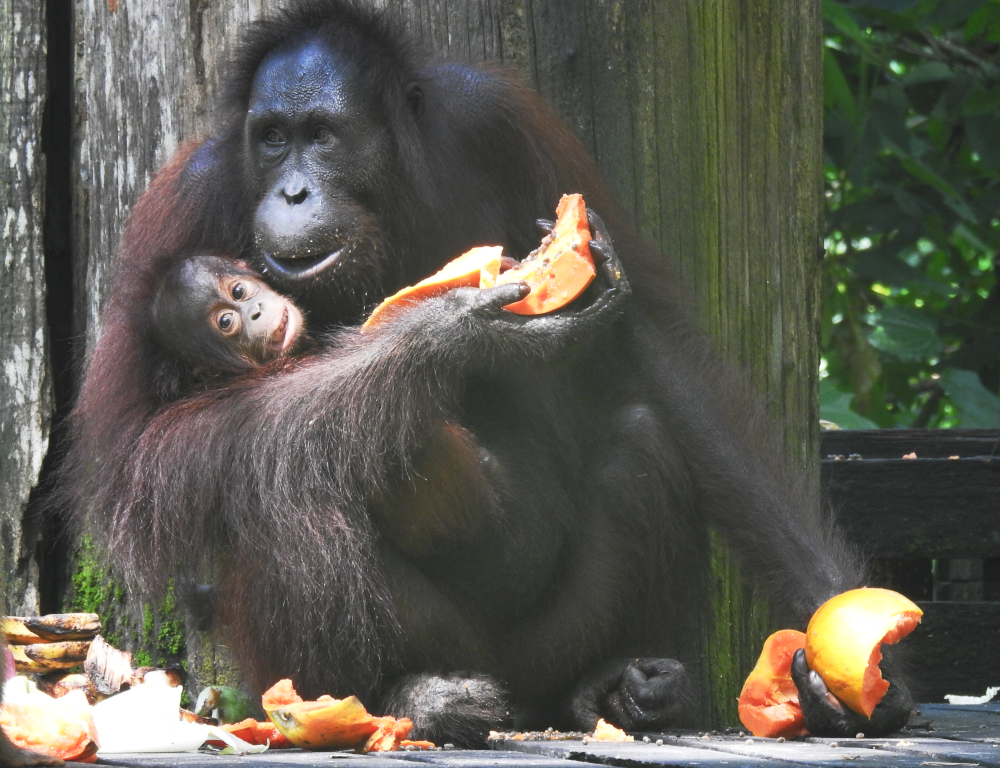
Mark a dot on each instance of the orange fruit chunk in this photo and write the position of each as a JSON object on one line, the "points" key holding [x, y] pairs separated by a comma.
{"points": [[844, 640], [255, 732], [59, 727], [605, 731], [390, 734], [330, 723], [282, 692], [476, 268], [769, 701], [561, 267]]}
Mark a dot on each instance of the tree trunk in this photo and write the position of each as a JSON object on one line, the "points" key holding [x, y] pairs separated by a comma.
{"points": [[25, 387]]}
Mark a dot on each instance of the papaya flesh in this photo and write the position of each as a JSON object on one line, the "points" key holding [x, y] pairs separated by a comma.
{"points": [[476, 268], [255, 732], [769, 702], [59, 727], [560, 268], [844, 640], [329, 723], [556, 272]]}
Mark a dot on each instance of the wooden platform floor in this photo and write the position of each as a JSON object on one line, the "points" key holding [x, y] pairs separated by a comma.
{"points": [[939, 735]]}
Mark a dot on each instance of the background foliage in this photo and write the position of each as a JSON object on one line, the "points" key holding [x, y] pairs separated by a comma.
{"points": [[911, 331]]}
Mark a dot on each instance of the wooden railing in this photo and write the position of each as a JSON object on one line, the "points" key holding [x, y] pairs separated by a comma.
{"points": [[931, 525]]}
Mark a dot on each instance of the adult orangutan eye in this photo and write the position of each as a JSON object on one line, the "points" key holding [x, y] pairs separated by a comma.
{"points": [[322, 135], [273, 137], [225, 321], [238, 292]]}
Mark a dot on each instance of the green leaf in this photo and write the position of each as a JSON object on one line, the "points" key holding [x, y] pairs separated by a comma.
{"points": [[836, 91], [905, 333], [983, 132], [920, 170], [977, 406], [882, 265], [927, 72], [982, 101], [892, 6], [890, 121], [841, 19], [953, 12], [835, 406]]}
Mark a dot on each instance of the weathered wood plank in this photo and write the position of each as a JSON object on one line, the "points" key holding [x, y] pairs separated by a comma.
{"points": [[896, 443], [966, 723], [917, 507], [147, 75], [705, 118], [146, 78], [25, 386], [741, 750], [954, 650]]}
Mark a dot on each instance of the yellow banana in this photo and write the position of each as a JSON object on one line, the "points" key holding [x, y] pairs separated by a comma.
{"points": [[15, 633], [23, 664], [58, 655], [65, 626]]}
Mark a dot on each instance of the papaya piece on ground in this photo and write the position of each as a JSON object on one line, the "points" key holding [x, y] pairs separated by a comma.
{"points": [[769, 702], [55, 727], [605, 731], [389, 736], [326, 723]]}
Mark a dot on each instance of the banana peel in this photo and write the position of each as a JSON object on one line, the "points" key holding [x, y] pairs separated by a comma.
{"points": [[23, 664]]}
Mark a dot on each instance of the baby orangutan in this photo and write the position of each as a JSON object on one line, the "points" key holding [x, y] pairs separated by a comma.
{"points": [[219, 319]]}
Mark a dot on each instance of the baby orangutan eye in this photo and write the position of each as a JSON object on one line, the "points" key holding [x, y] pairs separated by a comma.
{"points": [[226, 320], [238, 292]]}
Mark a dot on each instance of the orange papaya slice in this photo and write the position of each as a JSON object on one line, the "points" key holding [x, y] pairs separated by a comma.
{"points": [[769, 702], [476, 268], [561, 267]]}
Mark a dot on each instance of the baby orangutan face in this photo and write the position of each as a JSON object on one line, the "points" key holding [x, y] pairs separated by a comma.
{"points": [[249, 317], [220, 317]]}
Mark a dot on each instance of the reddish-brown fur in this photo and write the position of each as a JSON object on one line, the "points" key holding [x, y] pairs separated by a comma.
{"points": [[461, 488]]}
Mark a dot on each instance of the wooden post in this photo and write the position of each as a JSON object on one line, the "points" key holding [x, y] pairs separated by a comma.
{"points": [[25, 385]]}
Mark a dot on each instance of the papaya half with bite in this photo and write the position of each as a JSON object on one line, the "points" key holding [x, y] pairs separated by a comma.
{"points": [[844, 641], [769, 702]]}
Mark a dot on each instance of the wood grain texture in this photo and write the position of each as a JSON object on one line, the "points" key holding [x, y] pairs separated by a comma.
{"points": [[706, 117], [896, 443], [146, 77], [953, 650], [25, 385], [917, 507]]}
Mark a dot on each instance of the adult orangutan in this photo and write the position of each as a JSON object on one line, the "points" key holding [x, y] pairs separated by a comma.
{"points": [[524, 499]]}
